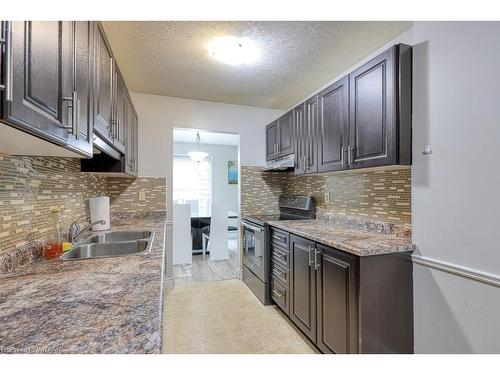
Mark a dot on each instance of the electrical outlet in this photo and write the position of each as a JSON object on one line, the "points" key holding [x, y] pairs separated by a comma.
{"points": [[142, 195], [327, 198]]}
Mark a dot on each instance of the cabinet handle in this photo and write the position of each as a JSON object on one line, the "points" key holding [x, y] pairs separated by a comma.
{"points": [[316, 264], [309, 255], [279, 274], [73, 99], [77, 126], [341, 155], [279, 238], [279, 295], [9, 92], [349, 155]]}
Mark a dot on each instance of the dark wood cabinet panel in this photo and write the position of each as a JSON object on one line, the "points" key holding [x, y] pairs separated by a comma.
{"points": [[362, 120], [131, 137], [280, 295], [301, 139], [303, 286], [373, 112], [285, 134], [336, 301], [344, 303], [272, 140], [311, 134], [38, 77], [120, 116], [103, 92], [51, 67], [332, 137]]}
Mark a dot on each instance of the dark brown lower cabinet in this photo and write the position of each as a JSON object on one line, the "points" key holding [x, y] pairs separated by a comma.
{"points": [[303, 285], [345, 303], [336, 301]]}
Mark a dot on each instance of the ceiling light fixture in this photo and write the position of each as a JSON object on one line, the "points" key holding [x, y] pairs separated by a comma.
{"points": [[197, 155], [233, 51]]}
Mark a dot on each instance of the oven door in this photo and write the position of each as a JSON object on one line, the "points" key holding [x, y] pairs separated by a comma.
{"points": [[254, 249]]}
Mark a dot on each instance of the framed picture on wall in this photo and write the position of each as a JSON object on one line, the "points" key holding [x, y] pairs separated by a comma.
{"points": [[232, 172]]}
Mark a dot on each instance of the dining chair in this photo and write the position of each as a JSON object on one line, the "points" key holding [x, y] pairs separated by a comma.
{"points": [[183, 248], [217, 238]]}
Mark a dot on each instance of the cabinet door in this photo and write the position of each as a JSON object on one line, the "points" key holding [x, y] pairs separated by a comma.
{"points": [[300, 139], [83, 77], [272, 140], [303, 286], [103, 88], [332, 130], [311, 134], [120, 99], [41, 72], [336, 297], [372, 120], [285, 134], [134, 140]]}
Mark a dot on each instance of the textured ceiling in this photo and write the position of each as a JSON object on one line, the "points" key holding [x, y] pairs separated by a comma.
{"points": [[170, 58]]}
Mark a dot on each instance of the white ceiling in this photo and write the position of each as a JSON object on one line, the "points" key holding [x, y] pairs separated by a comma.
{"points": [[209, 138], [170, 58]]}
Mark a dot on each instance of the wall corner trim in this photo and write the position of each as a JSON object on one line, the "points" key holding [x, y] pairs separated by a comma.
{"points": [[476, 275]]}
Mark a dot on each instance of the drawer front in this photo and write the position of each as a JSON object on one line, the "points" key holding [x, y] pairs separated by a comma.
{"points": [[281, 273], [281, 256], [280, 295], [280, 238]]}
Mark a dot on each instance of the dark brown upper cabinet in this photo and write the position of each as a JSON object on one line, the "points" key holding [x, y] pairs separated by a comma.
{"points": [[104, 87], [362, 120], [374, 120], [119, 119], [332, 126], [300, 131], [47, 68], [272, 140], [285, 134], [279, 137], [303, 285], [311, 124], [130, 138], [306, 128], [380, 110]]}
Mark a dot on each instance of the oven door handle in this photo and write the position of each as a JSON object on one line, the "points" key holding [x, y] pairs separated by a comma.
{"points": [[252, 227]]}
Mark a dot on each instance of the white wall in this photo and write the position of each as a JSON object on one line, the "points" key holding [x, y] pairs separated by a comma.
{"points": [[455, 191], [223, 192], [159, 115]]}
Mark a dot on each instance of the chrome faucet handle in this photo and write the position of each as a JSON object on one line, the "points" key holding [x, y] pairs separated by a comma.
{"points": [[74, 228], [85, 229]]}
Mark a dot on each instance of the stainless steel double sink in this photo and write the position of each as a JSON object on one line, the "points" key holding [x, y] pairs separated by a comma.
{"points": [[111, 244]]}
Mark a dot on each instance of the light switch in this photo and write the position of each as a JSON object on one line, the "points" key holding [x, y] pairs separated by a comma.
{"points": [[142, 195]]}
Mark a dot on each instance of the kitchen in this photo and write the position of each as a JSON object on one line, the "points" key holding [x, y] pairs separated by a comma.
{"points": [[363, 228]]}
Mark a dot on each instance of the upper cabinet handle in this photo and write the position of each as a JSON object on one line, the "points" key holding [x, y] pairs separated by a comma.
{"points": [[9, 78]]}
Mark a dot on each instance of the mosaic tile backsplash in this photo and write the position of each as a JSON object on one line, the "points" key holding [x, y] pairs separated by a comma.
{"points": [[381, 194], [31, 186], [259, 191]]}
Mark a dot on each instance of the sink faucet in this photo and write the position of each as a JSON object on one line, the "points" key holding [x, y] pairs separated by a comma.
{"points": [[75, 232]]}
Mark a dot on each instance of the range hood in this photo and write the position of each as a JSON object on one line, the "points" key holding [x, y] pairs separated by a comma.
{"points": [[106, 161], [286, 163]]}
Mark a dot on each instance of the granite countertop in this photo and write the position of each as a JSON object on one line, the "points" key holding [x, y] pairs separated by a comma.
{"points": [[107, 305], [357, 242]]}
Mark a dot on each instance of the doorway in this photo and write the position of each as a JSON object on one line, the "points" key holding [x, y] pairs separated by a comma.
{"points": [[205, 187]]}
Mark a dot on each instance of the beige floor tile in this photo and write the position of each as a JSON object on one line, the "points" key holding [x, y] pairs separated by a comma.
{"points": [[226, 317]]}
